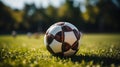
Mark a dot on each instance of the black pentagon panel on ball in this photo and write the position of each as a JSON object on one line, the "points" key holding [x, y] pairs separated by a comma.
{"points": [[77, 33], [65, 47], [66, 28], [59, 36], [75, 45], [49, 38]]}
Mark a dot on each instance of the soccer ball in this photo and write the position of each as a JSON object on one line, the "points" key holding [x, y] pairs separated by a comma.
{"points": [[62, 39]]}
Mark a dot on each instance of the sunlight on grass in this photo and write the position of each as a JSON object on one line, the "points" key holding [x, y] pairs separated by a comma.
{"points": [[95, 50]]}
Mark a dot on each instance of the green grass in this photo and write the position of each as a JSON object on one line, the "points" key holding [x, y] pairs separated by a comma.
{"points": [[95, 50]]}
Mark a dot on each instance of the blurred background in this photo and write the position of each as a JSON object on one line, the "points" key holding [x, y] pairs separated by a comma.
{"points": [[89, 16]]}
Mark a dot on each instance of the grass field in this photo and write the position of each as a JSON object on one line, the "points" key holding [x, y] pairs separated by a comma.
{"points": [[95, 50]]}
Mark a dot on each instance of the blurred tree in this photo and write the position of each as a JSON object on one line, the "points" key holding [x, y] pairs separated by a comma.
{"points": [[89, 16], [68, 12], [102, 16], [35, 20], [108, 17], [29, 10], [9, 19], [51, 11], [51, 14], [6, 20], [17, 16]]}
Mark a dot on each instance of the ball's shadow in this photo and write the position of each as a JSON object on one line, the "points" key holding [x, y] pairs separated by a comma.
{"points": [[95, 59]]}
